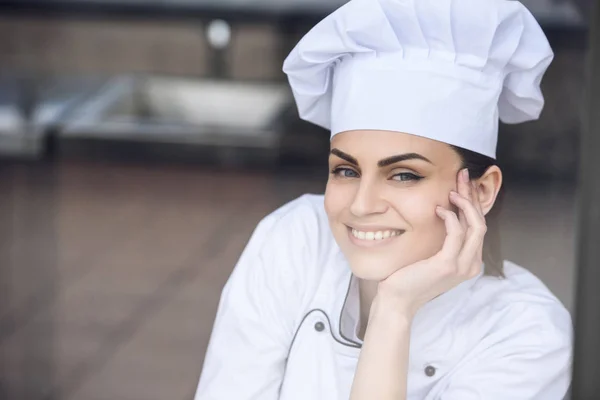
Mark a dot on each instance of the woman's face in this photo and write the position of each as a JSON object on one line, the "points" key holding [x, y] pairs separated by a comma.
{"points": [[381, 198]]}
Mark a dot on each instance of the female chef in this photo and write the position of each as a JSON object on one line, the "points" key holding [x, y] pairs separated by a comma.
{"points": [[379, 289]]}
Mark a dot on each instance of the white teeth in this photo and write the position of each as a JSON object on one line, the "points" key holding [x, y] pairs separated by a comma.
{"points": [[374, 235]]}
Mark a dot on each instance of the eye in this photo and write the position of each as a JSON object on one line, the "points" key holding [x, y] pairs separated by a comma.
{"points": [[341, 172], [406, 176]]}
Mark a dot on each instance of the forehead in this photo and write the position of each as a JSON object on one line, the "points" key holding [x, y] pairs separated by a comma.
{"points": [[375, 145]]}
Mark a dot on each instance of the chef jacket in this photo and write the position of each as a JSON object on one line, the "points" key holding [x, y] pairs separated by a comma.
{"points": [[286, 326]]}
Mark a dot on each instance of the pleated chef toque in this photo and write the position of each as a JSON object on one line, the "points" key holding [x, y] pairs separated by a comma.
{"points": [[447, 70]]}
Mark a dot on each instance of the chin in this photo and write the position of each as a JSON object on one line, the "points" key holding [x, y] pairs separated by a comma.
{"points": [[374, 267]]}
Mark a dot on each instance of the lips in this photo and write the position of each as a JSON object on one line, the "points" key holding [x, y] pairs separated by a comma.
{"points": [[373, 237]]}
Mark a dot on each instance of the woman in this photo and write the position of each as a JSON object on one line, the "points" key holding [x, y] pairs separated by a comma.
{"points": [[378, 290]]}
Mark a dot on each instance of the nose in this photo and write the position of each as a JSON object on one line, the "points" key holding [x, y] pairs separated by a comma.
{"points": [[367, 200]]}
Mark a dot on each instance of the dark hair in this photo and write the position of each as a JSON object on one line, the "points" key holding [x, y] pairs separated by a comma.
{"points": [[478, 164]]}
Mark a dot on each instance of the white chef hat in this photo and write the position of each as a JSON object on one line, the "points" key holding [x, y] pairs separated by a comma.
{"points": [[447, 70]]}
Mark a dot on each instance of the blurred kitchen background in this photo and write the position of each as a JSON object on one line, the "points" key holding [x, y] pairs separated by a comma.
{"points": [[140, 143]]}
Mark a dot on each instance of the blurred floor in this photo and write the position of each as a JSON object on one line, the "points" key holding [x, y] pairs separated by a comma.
{"points": [[112, 274]]}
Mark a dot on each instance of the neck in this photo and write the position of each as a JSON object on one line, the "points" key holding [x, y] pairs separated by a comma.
{"points": [[367, 291]]}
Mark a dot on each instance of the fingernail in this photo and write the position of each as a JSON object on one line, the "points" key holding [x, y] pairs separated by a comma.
{"points": [[465, 175], [453, 193]]}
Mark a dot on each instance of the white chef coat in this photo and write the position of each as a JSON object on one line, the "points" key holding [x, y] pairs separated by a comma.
{"points": [[287, 321]]}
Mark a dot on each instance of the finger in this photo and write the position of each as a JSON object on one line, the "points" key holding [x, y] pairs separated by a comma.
{"points": [[455, 234], [473, 217], [464, 184], [472, 250], [475, 232], [464, 189], [476, 199]]}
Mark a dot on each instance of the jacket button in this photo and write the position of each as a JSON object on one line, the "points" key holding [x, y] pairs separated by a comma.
{"points": [[319, 326], [429, 371]]}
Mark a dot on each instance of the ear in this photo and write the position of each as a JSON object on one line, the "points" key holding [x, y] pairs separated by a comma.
{"points": [[488, 186]]}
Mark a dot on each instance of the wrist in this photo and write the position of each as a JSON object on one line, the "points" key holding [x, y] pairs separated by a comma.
{"points": [[391, 308]]}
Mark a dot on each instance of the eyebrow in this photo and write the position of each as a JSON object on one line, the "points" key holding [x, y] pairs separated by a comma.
{"points": [[383, 162]]}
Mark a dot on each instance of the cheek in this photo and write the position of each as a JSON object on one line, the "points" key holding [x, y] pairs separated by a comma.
{"points": [[418, 207], [337, 199]]}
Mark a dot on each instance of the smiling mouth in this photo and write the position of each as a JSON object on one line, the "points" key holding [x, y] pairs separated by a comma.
{"points": [[374, 236]]}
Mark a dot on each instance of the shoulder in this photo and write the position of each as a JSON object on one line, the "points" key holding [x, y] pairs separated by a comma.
{"points": [[300, 225], [520, 340], [295, 238], [300, 214], [521, 302], [518, 318]]}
